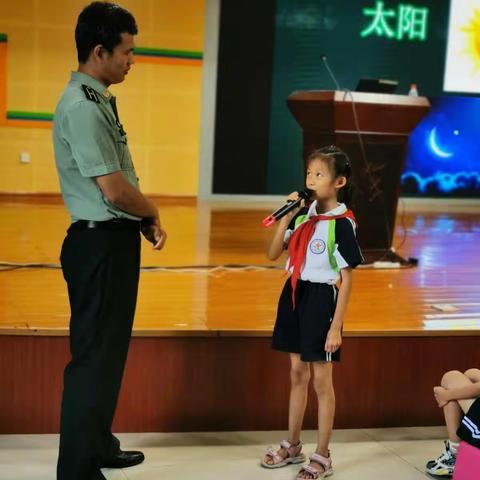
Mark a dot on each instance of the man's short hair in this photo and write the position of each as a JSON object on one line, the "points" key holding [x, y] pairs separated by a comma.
{"points": [[102, 23]]}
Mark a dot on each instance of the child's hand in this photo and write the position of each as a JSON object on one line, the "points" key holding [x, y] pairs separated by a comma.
{"points": [[334, 340], [294, 197], [441, 396]]}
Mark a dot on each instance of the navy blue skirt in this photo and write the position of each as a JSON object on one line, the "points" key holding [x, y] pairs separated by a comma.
{"points": [[304, 330], [469, 429]]}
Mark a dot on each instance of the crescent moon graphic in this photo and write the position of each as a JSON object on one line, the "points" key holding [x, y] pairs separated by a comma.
{"points": [[436, 149]]}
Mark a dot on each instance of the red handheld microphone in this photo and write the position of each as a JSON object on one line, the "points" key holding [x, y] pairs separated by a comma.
{"points": [[288, 207]]}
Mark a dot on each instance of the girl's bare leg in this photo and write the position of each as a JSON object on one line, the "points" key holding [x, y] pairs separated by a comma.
{"points": [[299, 379], [454, 410], [323, 384]]}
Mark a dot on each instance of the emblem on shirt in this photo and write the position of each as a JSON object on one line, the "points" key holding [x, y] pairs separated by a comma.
{"points": [[317, 246], [90, 93]]}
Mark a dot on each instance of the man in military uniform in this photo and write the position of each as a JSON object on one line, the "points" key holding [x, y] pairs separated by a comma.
{"points": [[101, 252]]}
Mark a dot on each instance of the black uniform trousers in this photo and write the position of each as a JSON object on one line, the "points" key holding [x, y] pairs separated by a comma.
{"points": [[101, 268]]}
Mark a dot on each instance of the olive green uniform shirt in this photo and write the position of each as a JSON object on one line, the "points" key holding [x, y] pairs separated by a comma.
{"points": [[89, 141]]}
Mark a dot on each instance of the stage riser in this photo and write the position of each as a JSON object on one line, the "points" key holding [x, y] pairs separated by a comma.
{"points": [[234, 383]]}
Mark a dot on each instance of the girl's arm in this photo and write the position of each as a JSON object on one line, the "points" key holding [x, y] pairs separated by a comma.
{"points": [[334, 337], [463, 393], [277, 244]]}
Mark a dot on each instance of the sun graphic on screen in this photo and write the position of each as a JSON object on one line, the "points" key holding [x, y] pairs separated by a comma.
{"points": [[473, 32]]}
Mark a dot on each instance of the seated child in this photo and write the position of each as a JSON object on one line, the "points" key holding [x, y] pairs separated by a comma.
{"points": [[458, 395]]}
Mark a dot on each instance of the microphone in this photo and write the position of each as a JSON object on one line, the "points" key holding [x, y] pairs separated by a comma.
{"points": [[329, 70], [288, 207]]}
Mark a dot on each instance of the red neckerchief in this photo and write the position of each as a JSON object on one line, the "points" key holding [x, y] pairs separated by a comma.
{"points": [[297, 247]]}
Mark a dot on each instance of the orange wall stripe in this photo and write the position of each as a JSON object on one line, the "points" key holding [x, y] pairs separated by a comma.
{"points": [[28, 123], [168, 61], [3, 83]]}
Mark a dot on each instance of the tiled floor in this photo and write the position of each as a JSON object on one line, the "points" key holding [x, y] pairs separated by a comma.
{"points": [[373, 454]]}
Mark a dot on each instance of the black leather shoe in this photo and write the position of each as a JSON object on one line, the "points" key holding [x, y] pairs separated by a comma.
{"points": [[125, 460]]}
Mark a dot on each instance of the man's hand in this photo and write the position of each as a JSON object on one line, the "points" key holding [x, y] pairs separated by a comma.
{"points": [[334, 340], [155, 234], [441, 396]]}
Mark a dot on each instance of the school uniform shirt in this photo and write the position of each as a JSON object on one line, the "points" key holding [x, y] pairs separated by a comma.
{"points": [[332, 247]]}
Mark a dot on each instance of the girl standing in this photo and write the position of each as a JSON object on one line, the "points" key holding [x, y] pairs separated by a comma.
{"points": [[322, 249]]}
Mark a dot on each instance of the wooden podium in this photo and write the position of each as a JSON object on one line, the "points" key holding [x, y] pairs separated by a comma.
{"points": [[384, 123]]}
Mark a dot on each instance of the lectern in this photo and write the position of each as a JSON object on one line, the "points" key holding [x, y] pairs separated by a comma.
{"points": [[383, 123]]}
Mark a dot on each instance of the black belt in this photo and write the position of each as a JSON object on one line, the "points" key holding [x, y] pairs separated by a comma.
{"points": [[114, 224]]}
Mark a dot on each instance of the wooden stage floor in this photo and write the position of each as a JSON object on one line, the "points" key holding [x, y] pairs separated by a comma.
{"points": [[174, 302], [201, 359]]}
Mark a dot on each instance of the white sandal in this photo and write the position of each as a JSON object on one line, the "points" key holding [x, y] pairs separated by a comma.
{"points": [[294, 455], [325, 462]]}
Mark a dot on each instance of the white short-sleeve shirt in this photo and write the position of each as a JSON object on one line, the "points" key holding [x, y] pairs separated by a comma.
{"points": [[332, 246]]}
